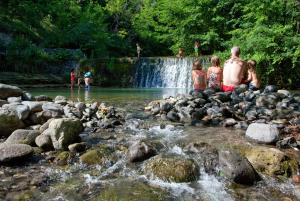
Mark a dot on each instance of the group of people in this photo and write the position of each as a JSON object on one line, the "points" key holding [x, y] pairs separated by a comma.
{"points": [[87, 77], [235, 72]]}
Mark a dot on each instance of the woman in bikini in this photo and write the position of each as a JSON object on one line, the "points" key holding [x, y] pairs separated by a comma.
{"points": [[198, 77], [214, 73]]}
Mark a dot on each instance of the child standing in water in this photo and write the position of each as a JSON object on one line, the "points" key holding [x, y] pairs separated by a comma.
{"points": [[87, 79], [198, 77], [72, 78], [253, 80], [214, 73]]}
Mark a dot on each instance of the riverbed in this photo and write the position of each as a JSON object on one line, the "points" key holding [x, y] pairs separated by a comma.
{"points": [[40, 179]]}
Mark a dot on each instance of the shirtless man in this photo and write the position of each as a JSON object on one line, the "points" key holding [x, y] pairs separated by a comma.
{"points": [[234, 70]]}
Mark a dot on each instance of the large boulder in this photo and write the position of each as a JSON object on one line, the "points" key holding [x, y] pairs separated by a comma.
{"points": [[140, 151], [236, 167], [21, 110], [173, 168], [22, 136], [270, 161], [9, 121], [34, 106], [63, 132], [14, 152], [9, 91], [263, 133]]}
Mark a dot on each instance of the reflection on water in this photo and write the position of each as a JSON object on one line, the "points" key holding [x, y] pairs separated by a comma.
{"points": [[112, 96]]}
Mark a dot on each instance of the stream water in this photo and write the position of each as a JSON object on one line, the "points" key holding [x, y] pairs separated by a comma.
{"points": [[124, 181]]}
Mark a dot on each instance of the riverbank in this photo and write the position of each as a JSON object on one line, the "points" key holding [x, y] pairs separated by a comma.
{"points": [[74, 150]]}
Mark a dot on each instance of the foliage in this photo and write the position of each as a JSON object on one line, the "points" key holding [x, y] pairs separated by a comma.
{"points": [[267, 31]]}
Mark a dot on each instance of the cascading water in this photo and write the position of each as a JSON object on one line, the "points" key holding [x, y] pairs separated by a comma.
{"points": [[166, 72]]}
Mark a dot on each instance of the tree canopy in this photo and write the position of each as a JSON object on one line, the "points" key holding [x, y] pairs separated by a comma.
{"points": [[267, 31]]}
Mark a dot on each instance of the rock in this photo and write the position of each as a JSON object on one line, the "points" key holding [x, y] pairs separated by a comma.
{"points": [[21, 110], [236, 168], [132, 191], [22, 136], [40, 117], [241, 125], [140, 151], [288, 142], [165, 106], [27, 96], [241, 89], [14, 99], [80, 106], [63, 132], [42, 98], [271, 161], [198, 114], [229, 122], [100, 155], [34, 106], [14, 152], [62, 158], [60, 100], [172, 168], [284, 92], [9, 121], [44, 142], [9, 91], [35, 127], [173, 116], [77, 147], [270, 89], [263, 133], [53, 107]]}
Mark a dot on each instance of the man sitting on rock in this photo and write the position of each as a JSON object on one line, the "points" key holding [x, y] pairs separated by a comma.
{"points": [[234, 70]]}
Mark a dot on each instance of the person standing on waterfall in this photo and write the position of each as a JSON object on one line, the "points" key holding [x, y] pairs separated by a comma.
{"points": [[196, 48], [138, 50]]}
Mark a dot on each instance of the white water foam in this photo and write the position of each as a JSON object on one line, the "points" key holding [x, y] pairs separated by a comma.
{"points": [[177, 150], [213, 189]]}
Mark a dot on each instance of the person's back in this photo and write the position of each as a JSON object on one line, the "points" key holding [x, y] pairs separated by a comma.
{"points": [[198, 76], [253, 79], [199, 79], [214, 73], [233, 71]]}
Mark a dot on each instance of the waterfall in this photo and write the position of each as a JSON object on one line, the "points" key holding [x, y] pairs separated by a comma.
{"points": [[166, 72]]}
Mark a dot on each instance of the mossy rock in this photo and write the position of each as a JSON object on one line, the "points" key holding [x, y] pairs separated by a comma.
{"points": [[62, 158], [173, 168], [132, 191], [270, 161], [98, 155]]}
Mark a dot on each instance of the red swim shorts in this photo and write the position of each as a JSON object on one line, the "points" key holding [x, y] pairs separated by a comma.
{"points": [[227, 88]]}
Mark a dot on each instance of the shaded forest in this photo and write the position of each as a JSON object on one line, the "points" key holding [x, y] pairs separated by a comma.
{"points": [[267, 31]]}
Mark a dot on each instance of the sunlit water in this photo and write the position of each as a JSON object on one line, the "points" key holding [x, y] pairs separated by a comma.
{"points": [[79, 182]]}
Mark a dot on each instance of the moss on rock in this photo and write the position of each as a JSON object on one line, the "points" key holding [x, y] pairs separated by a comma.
{"points": [[173, 168], [98, 155]]}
